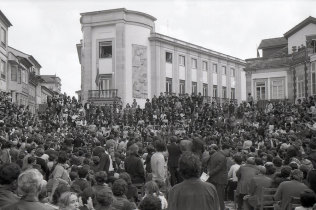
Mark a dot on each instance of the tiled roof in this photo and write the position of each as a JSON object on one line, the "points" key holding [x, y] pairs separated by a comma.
{"points": [[299, 26], [273, 42]]}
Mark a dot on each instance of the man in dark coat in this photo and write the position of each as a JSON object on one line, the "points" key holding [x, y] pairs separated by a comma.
{"points": [[217, 170], [134, 166], [174, 155], [244, 175]]}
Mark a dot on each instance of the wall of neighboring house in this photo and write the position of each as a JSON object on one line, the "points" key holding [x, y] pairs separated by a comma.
{"points": [[299, 38]]}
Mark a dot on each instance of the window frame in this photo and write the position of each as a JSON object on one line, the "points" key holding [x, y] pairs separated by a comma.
{"points": [[205, 89], [168, 85], [181, 84], [215, 90], [206, 66], [193, 63], [232, 72], [167, 58], [3, 69], [3, 36], [224, 92], [180, 60], [194, 90], [105, 44], [215, 69], [224, 70]]}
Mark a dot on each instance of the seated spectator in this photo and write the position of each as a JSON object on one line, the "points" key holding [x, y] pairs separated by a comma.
{"points": [[192, 193], [289, 189], [82, 180], [150, 202], [29, 185], [151, 188], [119, 189], [9, 173], [104, 200], [308, 199], [131, 194]]}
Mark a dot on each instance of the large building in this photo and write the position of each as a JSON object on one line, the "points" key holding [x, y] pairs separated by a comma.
{"points": [[4, 26], [286, 68], [122, 56]]}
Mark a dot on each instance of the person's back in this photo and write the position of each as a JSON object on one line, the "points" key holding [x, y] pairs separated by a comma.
{"points": [[287, 190], [193, 194]]}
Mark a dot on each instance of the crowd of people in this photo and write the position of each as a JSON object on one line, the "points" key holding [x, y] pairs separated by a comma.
{"points": [[177, 153]]}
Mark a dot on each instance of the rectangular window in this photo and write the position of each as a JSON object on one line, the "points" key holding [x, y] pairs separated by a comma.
{"points": [[205, 89], [2, 69], [215, 94], [232, 72], [14, 73], [261, 90], [181, 60], [215, 68], [194, 88], [105, 82], [224, 70], [300, 86], [277, 86], [168, 85], [232, 93], [19, 76], [224, 92], [182, 87], [168, 57], [105, 49], [314, 78], [3, 37], [194, 63], [204, 66], [23, 76]]}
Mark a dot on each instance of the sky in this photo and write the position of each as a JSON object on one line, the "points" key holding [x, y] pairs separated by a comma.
{"points": [[50, 29]]}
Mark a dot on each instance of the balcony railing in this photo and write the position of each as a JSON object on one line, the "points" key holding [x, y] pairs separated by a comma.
{"points": [[102, 94]]}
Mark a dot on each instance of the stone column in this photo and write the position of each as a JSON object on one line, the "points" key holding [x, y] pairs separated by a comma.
{"points": [[120, 69], [86, 73], [175, 72], [188, 76]]}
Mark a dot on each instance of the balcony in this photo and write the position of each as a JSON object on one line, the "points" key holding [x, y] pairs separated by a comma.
{"points": [[102, 96]]}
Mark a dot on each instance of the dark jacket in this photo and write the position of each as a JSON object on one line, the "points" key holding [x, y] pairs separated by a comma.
{"points": [[217, 168], [174, 155], [134, 166], [104, 164], [245, 174]]}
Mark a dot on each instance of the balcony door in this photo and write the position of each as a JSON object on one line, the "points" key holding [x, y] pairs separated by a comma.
{"points": [[105, 84]]}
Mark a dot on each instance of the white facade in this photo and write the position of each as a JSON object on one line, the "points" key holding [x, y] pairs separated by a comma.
{"points": [[136, 65], [299, 38]]}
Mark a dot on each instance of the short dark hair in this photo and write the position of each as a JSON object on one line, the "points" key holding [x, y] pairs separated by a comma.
{"points": [[119, 187], [308, 198], [160, 145], [62, 157], [126, 177], [9, 172], [83, 172], [101, 177], [277, 161], [190, 165], [150, 202], [104, 197], [238, 159]]}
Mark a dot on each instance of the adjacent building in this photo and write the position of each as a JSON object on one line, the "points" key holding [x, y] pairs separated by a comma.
{"points": [[286, 68], [4, 26], [20, 74], [52, 82], [122, 56]]}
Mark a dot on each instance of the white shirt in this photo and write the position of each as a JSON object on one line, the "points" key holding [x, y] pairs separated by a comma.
{"points": [[232, 172]]}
